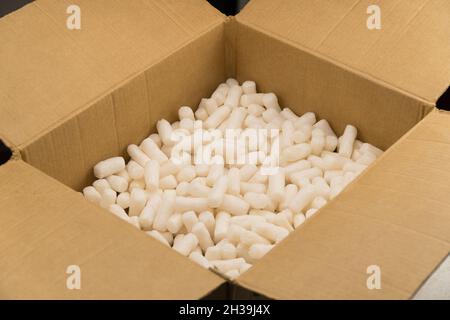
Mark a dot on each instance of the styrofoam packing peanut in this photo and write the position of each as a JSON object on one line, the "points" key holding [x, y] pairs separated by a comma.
{"points": [[208, 219], [252, 187], [310, 213], [290, 191], [168, 182], [296, 152], [251, 98], [258, 250], [227, 265], [345, 145], [229, 211], [257, 200], [204, 238], [234, 205], [101, 184], [147, 217], [137, 154], [152, 151], [299, 219], [138, 199], [247, 171], [213, 253], [174, 223], [109, 197], [248, 87], [187, 173], [258, 178], [165, 210], [108, 167], [186, 244], [222, 224], [189, 219], [156, 139], [135, 170], [302, 199], [134, 221], [92, 195], [287, 133], [317, 141], [182, 188], [269, 231], [197, 189], [199, 259], [288, 114], [168, 168], [118, 211], [282, 220], [183, 204], [308, 118]]}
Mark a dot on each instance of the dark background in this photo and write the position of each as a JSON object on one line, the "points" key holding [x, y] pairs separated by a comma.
{"points": [[228, 7]]}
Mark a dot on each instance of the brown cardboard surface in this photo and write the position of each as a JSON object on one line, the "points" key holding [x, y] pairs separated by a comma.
{"points": [[53, 72], [395, 215], [306, 82], [45, 227], [411, 51]]}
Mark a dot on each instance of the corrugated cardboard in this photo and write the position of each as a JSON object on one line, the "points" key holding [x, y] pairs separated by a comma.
{"points": [[77, 97], [408, 52], [46, 227]]}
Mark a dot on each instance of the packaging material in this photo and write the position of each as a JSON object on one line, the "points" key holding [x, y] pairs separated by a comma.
{"points": [[70, 98]]}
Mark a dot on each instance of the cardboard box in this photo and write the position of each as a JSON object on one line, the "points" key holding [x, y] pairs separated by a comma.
{"points": [[70, 98]]}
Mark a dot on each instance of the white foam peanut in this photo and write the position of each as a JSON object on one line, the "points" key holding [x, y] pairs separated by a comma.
{"points": [[199, 259], [151, 175], [217, 193], [213, 253], [168, 182], [183, 204], [290, 191], [108, 167], [276, 185], [234, 205], [270, 101], [227, 265], [101, 184], [186, 112], [135, 170], [118, 211], [137, 154], [187, 173], [270, 232], [174, 223], [234, 96], [203, 235], [165, 210], [248, 87], [302, 199], [147, 217], [258, 250], [296, 152], [152, 150], [345, 146], [257, 200], [92, 195], [138, 199], [207, 217], [189, 219], [186, 245], [217, 117], [222, 224], [109, 197]]}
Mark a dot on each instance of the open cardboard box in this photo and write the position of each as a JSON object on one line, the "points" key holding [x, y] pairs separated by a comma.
{"points": [[70, 98]]}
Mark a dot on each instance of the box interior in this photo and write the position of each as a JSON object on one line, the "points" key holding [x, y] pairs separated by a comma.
{"points": [[301, 80]]}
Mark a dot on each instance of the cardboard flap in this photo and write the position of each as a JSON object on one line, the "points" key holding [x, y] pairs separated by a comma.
{"points": [[48, 71], [411, 51], [395, 216], [46, 227]]}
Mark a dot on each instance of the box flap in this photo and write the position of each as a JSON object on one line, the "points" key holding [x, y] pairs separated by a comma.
{"points": [[46, 227], [51, 72], [395, 216], [411, 51]]}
